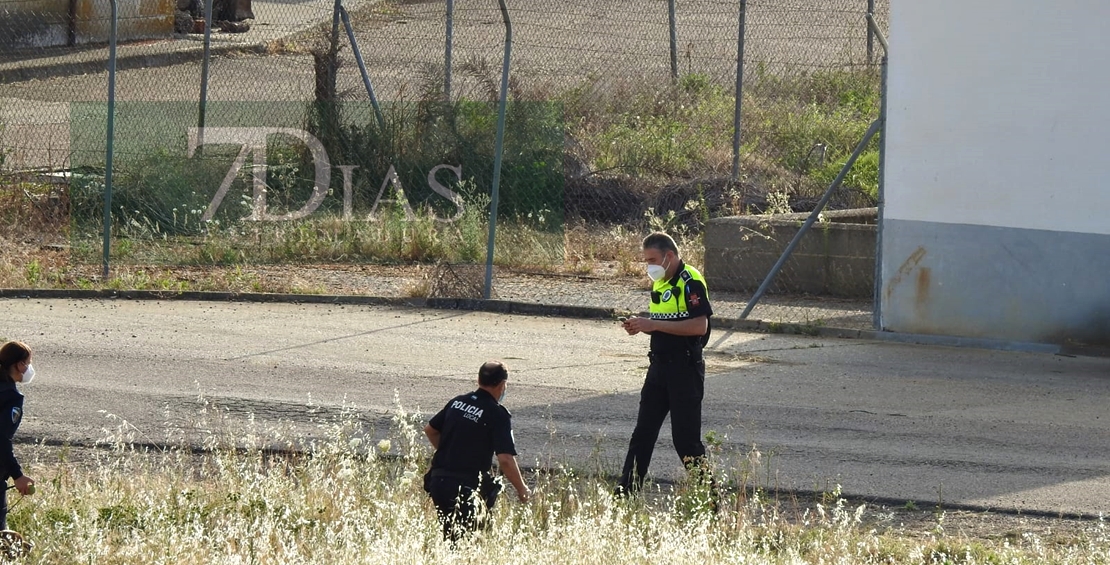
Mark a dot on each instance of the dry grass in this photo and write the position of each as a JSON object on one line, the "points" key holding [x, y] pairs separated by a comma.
{"points": [[38, 251], [356, 499], [588, 246]]}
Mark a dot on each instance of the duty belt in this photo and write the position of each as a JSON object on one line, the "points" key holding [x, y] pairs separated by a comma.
{"points": [[672, 357]]}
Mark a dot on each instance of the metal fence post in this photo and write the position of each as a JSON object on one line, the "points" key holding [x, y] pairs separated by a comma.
{"points": [[498, 149], [448, 44], [674, 39], [870, 33], [362, 66], [873, 26], [111, 137], [335, 25], [812, 218], [739, 92], [204, 74], [877, 316]]}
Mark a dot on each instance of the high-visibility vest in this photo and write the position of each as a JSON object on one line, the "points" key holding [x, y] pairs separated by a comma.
{"points": [[668, 301]]}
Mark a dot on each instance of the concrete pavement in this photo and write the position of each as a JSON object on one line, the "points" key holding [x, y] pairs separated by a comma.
{"points": [[984, 428], [275, 21]]}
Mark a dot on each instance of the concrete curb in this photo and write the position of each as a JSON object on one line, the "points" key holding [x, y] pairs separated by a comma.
{"points": [[973, 343], [52, 68], [80, 294], [533, 309], [477, 305], [893, 337]]}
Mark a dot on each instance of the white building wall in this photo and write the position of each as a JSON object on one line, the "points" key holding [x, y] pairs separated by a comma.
{"points": [[997, 171]]}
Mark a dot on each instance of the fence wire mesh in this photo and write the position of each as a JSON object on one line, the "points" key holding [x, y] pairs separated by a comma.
{"points": [[612, 130]]}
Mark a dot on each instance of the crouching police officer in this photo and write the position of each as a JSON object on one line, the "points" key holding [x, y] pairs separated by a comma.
{"points": [[469, 430], [675, 382]]}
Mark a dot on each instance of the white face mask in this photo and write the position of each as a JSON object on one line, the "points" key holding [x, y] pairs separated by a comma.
{"points": [[28, 375], [657, 272]]}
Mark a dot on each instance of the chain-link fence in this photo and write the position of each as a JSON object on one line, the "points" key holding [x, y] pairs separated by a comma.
{"points": [[811, 89], [618, 123]]}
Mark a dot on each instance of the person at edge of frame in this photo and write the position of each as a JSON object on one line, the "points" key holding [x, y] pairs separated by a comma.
{"points": [[679, 328], [15, 367], [466, 433]]}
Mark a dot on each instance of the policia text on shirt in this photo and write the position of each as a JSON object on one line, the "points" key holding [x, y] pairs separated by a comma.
{"points": [[675, 383]]}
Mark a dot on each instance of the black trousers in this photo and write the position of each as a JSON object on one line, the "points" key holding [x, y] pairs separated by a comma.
{"points": [[676, 385], [461, 505], [4, 508]]}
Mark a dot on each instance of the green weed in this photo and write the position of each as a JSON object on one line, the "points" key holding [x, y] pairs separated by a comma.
{"points": [[33, 273]]}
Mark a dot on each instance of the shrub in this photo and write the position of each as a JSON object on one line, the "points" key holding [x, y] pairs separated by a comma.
{"points": [[422, 135]]}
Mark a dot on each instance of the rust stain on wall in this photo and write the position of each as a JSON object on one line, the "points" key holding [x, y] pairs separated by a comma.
{"points": [[83, 12], [904, 271], [912, 261], [921, 296]]}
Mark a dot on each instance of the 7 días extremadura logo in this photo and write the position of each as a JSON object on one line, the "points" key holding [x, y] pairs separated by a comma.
{"points": [[252, 143]]}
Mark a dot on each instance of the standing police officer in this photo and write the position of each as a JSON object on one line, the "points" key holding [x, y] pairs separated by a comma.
{"points": [[469, 430], [679, 329]]}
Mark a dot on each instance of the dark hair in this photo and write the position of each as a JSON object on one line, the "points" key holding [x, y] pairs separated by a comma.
{"points": [[11, 353], [492, 373], [660, 241]]}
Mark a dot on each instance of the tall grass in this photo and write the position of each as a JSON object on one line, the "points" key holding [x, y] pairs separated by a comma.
{"points": [[352, 498], [797, 131], [391, 238], [647, 141], [186, 254]]}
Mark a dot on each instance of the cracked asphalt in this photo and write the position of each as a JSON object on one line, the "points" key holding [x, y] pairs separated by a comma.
{"points": [[985, 429]]}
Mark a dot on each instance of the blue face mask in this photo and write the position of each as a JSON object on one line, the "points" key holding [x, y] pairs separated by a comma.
{"points": [[501, 398]]}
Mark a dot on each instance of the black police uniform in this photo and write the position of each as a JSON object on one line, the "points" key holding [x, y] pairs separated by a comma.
{"points": [[473, 427], [675, 380], [11, 414]]}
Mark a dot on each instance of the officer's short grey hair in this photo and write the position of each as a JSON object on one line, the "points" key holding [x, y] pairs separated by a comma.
{"points": [[662, 242]]}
